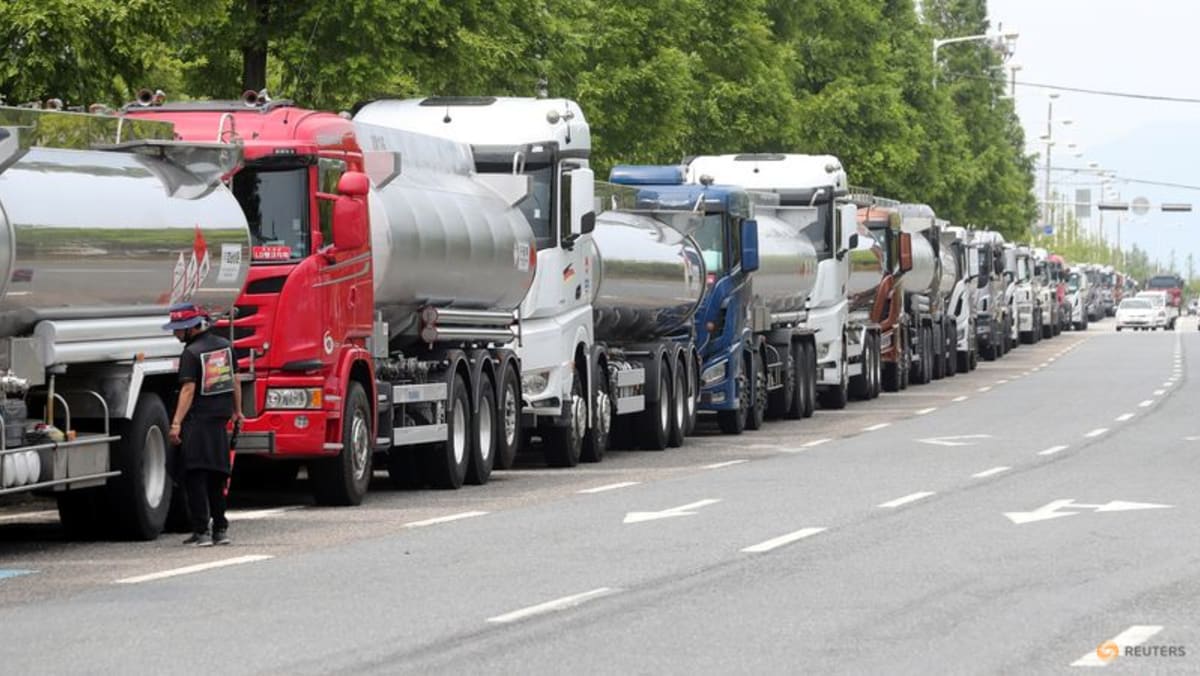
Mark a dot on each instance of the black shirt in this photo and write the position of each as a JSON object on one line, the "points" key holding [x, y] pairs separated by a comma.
{"points": [[207, 360]]}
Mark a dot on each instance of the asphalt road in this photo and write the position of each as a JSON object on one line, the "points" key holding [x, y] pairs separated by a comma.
{"points": [[1010, 520]]}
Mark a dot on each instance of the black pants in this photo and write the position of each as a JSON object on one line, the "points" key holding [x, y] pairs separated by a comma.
{"points": [[206, 494]]}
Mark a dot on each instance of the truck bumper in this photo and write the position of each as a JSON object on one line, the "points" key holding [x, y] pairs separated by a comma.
{"points": [[287, 434]]}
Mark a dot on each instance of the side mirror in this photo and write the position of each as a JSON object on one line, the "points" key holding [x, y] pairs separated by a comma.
{"points": [[353, 184], [350, 228], [852, 243], [749, 245], [906, 256], [583, 201]]}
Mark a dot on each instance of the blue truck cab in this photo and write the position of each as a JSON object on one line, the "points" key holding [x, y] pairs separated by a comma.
{"points": [[720, 219]]}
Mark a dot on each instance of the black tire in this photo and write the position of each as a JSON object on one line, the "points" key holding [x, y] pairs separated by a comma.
{"points": [[836, 397], [963, 361], [563, 445], [860, 385], [404, 466], [80, 513], [679, 395], [758, 408], [799, 382], [952, 355], [485, 435], [734, 421], [905, 365], [139, 499], [810, 377], [973, 360], [1118, 329], [876, 367], [938, 363], [1047, 330], [445, 463], [690, 374], [779, 402], [596, 439], [920, 375], [343, 480], [654, 423], [509, 423]]}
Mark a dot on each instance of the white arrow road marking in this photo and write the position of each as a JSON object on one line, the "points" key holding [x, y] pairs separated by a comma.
{"points": [[727, 463], [775, 543], [906, 499], [1050, 510], [186, 570], [638, 517], [609, 487], [1124, 417], [963, 440], [1146, 403], [1135, 635], [990, 472], [552, 606], [443, 519], [1096, 432]]}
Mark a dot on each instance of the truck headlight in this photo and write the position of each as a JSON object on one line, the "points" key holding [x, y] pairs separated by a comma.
{"points": [[714, 374], [535, 382], [294, 398]]}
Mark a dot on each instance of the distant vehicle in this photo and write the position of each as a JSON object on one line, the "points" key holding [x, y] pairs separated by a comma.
{"points": [[1137, 313], [1160, 302], [1194, 306]]}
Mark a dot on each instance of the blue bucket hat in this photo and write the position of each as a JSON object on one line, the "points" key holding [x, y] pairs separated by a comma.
{"points": [[184, 316]]}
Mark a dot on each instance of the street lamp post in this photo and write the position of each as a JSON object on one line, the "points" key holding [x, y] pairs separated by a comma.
{"points": [[1001, 41]]}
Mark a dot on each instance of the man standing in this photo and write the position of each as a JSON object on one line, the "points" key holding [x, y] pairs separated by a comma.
{"points": [[208, 399]]}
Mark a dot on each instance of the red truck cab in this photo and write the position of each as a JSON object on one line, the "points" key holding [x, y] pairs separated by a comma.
{"points": [[883, 224], [306, 313]]}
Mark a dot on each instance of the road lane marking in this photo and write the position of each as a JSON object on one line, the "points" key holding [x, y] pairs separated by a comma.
{"points": [[775, 543], [926, 411], [30, 515], [1112, 648], [906, 499], [199, 567], [1044, 364], [727, 463], [815, 442], [255, 514], [610, 487], [1159, 393], [960, 398], [553, 606], [984, 389], [1146, 402], [443, 519], [1124, 417], [682, 510], [876, 427], [1096, 432], [1168, 383], [1053, 449], [990, 472], [14, 572], [1001, 382]]}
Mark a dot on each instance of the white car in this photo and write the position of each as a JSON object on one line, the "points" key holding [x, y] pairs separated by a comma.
{"points": [[1158, 309]]}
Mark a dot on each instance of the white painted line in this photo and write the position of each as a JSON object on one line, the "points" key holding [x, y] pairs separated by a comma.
{"points": [[877, 426], [727, 463], [960, 398], [1159, 393], [255, 514], [775, 543], [30, 515], [1096, 432], [984, 389], [906, 499], [552, 606], [1168, 383], [1044, 364], [443, 519], [927, 411], [1112, 648], [1124, 417], [1052, 450], [187, 570], [609, 487], [1146, 402], [815, 442], [1001, 382], [990, 472]]}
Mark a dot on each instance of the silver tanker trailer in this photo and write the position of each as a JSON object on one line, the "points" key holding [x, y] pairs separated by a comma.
{"points": [[926, 290], [95, 245]]}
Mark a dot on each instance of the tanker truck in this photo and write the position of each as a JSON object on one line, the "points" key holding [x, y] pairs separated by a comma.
{"points": [[1056, 272], [955, 242], [809, 188], [1047, 290], [1027, 297], [757, 361], [992, 321], [879, 218], [358, 331], [927, 288], [578, 381], [104, 226]]}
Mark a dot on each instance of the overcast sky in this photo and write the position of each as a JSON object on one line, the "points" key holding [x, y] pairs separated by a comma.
{"points": [[1143, 47]]}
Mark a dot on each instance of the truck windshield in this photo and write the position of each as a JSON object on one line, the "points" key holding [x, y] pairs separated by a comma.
{"points": [[538, 205], [1163, 282], [1073, 282], [276, 204], [709, 236], [816, 224], [1023, 269]]}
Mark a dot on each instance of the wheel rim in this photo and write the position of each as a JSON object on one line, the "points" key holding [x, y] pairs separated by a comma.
{"points": [[459, 440], [360, 444], [603, 413], [154, 466], [511, 415], [578, 418], [484, 420], [690, 402], [664, 402], [680, 403]]}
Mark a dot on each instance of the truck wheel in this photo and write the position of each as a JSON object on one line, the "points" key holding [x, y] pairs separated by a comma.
{"points": [[138, 500], [973, 360], [79, 512], [952, 354], [563, 446], [779, 402], [734, 422], [810, 375], [595, 441], [860, 385], [343, 480], [799, 384], [485, 435], [445, 463], [939, 353], [510, 419], [654, 423], [693, 389], [758, 409], [836, 397], [679, 395]]}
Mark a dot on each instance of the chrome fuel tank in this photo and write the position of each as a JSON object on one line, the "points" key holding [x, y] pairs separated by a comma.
{"points": [[866, 270], [787, 269], [651, 278], [440, 236], [926, 274]]}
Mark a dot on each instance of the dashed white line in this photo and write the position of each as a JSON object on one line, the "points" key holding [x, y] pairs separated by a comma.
{"points": [[775, 543], [1052, 450], [876, 427], [815, 442], [1146, 402], [1159, 393], [1124, 417], [609, 487], [1133, 636], [1044, 364], [1168, 383], [990, 472], [984, 389], [443, 519], [727, 463], [927, 411], [960, 398], [906, 499], [1001, 382], [256, 514], [199, 567], [1096, 432], [552, 606]]}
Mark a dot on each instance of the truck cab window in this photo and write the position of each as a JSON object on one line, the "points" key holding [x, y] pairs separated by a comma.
{"points": [[735, 242], [275, 201], [329, 172]]}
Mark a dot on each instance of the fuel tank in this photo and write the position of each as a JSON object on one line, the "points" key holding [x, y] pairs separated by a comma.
{"points": [[108, 236], [866, 270], [926, 274], [950, 271], [440, 236], [651, 278], [787, 269]]}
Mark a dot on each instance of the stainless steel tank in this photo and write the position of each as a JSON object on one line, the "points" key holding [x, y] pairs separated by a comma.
{"points": [[787, 269], [96, 235], [651, 278], [950, 273], [926, 274], [866, 270], [439, 236]]}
